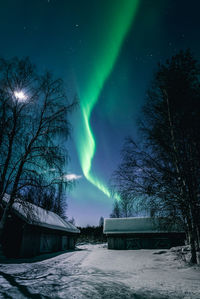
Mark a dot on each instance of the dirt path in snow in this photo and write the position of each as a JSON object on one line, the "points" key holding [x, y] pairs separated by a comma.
{"points": [[95, 272]]}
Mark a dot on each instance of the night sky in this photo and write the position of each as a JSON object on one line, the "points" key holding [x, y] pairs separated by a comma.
{"points": [[106, 51]]}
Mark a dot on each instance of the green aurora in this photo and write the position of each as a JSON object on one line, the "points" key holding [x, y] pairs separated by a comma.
{"points": [[119, 20]]}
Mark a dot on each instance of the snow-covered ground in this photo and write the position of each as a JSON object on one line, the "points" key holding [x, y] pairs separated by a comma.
{"points": [[94, 272]]}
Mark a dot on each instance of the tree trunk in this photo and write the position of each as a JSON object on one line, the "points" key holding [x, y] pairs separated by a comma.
{"points": [[193, 250], [4, 217], [8, 158], [15, 185], [11, 201], [198, 238], [193, 259]]}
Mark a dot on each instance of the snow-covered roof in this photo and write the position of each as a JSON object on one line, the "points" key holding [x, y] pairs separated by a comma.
{"points": [[137, 225], [35, 215]]}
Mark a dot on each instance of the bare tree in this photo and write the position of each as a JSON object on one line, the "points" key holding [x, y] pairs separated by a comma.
{"points": [[50, 197], [165, 169], [35, 144], [14, 75]]}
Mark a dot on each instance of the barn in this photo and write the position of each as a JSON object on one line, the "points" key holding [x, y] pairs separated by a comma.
{"points": [[142, 233], [31, 230]]}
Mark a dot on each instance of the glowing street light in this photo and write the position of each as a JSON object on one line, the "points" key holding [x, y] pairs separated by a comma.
{"points": [[20, 96]]}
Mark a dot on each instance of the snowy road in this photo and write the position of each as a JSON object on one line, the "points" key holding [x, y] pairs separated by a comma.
{"points": [[95, 272]]}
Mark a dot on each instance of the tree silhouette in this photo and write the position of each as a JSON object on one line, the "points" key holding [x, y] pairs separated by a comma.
{"points": [[164, 170], [35, 117]]}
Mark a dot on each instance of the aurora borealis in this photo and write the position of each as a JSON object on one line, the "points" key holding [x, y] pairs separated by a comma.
{"points": [[106, 52], [122, 16]]}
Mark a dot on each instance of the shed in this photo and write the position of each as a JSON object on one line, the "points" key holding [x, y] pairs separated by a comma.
{"points": [[31, 230], [142, 233]]}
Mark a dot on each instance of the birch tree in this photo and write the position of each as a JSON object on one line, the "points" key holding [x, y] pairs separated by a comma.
{"points": [[164, 170], [34, 141]]}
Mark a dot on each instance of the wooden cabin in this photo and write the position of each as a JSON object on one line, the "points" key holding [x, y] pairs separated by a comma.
{"points": [[142, 233], [31, 230]]}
